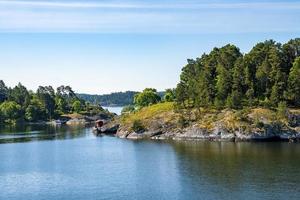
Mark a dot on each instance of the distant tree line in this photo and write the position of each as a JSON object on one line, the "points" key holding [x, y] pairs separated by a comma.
{"points": [[113, 99], [267, 76], [20, 104]]}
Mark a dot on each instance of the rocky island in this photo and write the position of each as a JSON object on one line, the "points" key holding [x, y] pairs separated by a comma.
{"points": [[224, 96], [161, 121]]}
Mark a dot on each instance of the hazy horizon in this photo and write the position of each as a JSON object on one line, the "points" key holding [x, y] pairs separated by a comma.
{"points": [[99, 47]]}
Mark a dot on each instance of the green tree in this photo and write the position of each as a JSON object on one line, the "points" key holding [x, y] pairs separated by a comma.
{"points": [[291, 51], [148, 97], [181, 95], [282, 110], [61, 105], [294, 83], [278, 89], [1, 118], [205, 79], [227, 59], [46, 95], [188, 81], [238, 86], [263, 79], [35, 111], [20, 95], [10, 111], [169, 95], [76, 106], [3, 91]]}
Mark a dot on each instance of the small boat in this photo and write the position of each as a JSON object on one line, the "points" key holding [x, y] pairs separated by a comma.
{"points": [[97, 128]]}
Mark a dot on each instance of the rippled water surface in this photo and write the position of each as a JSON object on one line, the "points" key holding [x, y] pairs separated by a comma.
{"points": [[44, 162]]}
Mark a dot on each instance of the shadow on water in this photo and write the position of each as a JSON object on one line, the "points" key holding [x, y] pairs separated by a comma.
{"points": [[235, 167], [36, 132]]}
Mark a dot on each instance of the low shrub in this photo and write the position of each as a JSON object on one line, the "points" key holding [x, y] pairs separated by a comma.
{"points": [[137, 126]]}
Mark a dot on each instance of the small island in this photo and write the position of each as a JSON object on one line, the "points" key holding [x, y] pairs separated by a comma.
{"points": [[47, 106], [224, 96]]}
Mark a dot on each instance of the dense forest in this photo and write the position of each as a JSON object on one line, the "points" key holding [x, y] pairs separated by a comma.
{"points": [[20, 104], [267, 76], [113, 99]]}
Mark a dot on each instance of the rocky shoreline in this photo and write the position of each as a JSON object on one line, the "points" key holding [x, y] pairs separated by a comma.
{"points": [[73, 119], [195, 133], [226, 127]]}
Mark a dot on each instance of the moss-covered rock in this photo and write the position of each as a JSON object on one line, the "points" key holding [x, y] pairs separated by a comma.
{"points": [[160, 121]]}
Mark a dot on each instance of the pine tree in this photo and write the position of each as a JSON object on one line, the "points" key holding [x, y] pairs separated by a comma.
{"points": [[3, 91], [225, 77], [238, 86], [291, 51], [294, 83]]}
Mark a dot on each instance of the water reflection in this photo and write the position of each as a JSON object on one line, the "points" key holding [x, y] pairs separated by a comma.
{"points": [[112, 168], [27, 133], [255, 169]]}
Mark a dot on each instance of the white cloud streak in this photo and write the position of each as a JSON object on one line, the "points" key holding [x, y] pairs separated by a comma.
{"points": [[128, 5], [54, 16]]}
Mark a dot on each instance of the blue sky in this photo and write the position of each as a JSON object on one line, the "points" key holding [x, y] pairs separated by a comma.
{"points": [[106, 46]]}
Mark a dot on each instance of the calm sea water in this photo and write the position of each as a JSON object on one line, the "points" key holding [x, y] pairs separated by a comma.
{"points": [[46, 163]]}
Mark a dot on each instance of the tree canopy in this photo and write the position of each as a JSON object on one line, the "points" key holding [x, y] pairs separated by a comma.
{"points": [[267, 75], [148, 97], [19, 104]]}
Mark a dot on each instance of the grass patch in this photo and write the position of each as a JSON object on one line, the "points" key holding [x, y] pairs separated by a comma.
{"points": [[138, 126], [164, 115], [149, 112], [263, 114], [160, 111]]}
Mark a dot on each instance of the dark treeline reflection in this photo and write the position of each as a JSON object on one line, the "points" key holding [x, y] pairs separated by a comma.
{"points": [[235, 167], [26, 133]]}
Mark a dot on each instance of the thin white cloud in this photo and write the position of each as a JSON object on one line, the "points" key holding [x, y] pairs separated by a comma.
{"points": [[74, 4], [128, 5], [50, 16]]}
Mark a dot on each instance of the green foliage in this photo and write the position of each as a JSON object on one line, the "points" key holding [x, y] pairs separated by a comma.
{"points": [[113, 99], [294, 83], [61, 105], [259, 124], [91, 109], [47, 97], [182, 122], [164, 110], [266, 103], [225, 78], [10, 111], [76, 106], [20, 95], [137, 126], [148, 97], [291, 51], [128, 109], [169, 95], [3, 91], [241, 115], [20, 104], [226, 61], [35, 111], [282, 110], [1, 118]]}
